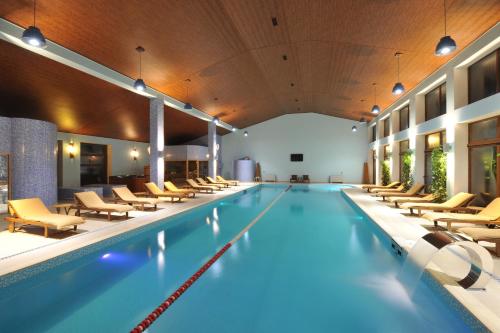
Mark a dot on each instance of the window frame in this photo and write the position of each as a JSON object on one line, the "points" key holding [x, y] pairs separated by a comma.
{"points": [[440, 88], [407, 108], [387, 127], [497, 57]]}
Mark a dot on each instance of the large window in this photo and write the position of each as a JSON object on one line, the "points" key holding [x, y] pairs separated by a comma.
{"points": [[374, 133], [484, 152], [386, 153], [404, 146], [404, 118], [484, 77], [432, 141], [435, 102], [387, 127]]}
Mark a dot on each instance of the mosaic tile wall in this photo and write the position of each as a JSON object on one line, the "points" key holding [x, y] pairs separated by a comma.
{"points": [[34, 159], [5, 134]]}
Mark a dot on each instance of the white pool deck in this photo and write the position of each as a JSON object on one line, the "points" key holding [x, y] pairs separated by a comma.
{"points": [[406, 229], [27, 246]]}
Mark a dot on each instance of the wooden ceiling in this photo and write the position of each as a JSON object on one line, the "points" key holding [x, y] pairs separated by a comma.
{"points": [[233, 54]]}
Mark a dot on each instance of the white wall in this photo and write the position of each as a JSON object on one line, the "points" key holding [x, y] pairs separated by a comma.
{"points": [[328, 144], [121, 161]]}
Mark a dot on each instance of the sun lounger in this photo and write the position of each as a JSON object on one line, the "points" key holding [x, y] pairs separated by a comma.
{"points": [[33, 211], [204, 183], [305, 179], [201, 188], [92, 202], [231, 181], [369, 187], [172, 188], [488, 215], [398, 189], [428, 198], [294, 179], [155, 192], [483, 234], [458, 200], [123, 194], [213, 182], [413, 191]]}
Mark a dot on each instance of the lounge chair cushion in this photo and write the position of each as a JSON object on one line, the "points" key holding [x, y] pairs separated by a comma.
{"points": [[58, 221], [92, 201], [456, 216], [27, 208], [492, 209], [481, 233], [456, 201], [126, 195]]}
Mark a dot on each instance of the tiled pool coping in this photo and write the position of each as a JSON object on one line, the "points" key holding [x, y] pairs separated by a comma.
{"points": [[405, 234]]}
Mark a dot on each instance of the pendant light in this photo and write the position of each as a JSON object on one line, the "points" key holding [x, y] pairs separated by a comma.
{"points": [[215, 120], [234, 129], [375, 107], [188, 105], [398, 88], [139, 84], [362, 120], [354, 128], [446, 44], [32, 35], [245, 133]]}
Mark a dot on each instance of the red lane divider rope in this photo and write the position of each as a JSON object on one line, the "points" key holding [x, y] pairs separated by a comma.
{"points": [[169, 301]]}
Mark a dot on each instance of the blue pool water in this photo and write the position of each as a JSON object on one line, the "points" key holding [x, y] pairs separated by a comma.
{"points": [[312, 263]]}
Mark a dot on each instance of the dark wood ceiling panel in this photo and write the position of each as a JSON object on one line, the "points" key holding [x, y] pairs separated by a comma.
{"points": [[233, 54]]}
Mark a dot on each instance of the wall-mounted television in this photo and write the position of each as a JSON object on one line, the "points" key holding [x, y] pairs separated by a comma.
{"points": [[296, 157]]}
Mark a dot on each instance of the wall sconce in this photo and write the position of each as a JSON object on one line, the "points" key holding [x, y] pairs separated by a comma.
{"points": [[134, 153], [71, 149]]}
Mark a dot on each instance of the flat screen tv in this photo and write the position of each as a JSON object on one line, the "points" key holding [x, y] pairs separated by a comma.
{"points": [[296, 157]]}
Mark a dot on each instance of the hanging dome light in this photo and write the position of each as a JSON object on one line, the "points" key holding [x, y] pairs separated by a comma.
{"points": [[215, 120], [32, 35], [234, 129], [398, 88], [446, 44], [245, 133], [139, 84], [375, 107], [354, 128], [187, 105]]}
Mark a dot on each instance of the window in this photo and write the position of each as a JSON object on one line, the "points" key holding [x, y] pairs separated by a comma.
{"points": [[484, 77], [386, 152], [484, 154], [387, 127], [435, 102], [432, 141], [404, 118], [374, 133], [404, 146]]}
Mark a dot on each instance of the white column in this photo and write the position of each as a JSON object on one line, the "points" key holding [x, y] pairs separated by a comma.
{"points": [[212, 149], [156, 141]]}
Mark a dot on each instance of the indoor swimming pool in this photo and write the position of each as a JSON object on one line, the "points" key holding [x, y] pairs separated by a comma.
{"points": [[312, 262]]}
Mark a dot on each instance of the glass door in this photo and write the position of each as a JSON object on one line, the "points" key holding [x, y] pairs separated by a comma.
{"points": [[4, 182]]}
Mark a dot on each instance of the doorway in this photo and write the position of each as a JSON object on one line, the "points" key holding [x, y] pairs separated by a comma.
{"points": [[93, 164]]}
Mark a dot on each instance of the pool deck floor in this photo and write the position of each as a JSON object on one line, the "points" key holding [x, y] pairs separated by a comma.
{"points": [[27, 246], [405, 230]]}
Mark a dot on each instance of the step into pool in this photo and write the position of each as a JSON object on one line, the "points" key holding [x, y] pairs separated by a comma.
{"points": [[311, 263]]}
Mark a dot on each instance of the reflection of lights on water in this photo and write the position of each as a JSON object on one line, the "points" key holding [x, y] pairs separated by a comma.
{"points": [[207, 220], [234, 251], [215, 227], [246, 236], [398, 294], [149, 252], [215, 214], [216, 268], [106, 256], [161, 261], [161, 240]]}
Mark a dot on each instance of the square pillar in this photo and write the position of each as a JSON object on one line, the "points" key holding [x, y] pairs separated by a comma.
{"points": [[212, 149], [157, 141]]}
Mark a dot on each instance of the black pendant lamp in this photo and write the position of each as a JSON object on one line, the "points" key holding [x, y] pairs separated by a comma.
{"points": [[375, 107], [446, 44], [354, 128], [32, 35], [187, 105], [398, 88], [139, 84]]}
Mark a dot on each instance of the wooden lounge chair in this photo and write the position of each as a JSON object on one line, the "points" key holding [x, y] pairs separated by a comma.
{"points": [[487, 215], [123, 194], [427, 198], [204, 183], [370, 187], [484, 234], [398, 189], [413, 191], [201, 188], [33, 211], [214, 182], [230, 181], [458, 200], [305, 179], [92, 202], [155, 192], [172, 188], [294, 179]]}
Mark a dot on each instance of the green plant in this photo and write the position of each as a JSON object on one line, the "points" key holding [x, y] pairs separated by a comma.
{"points": [[406, 176], [438, 183], [386, 172]]}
